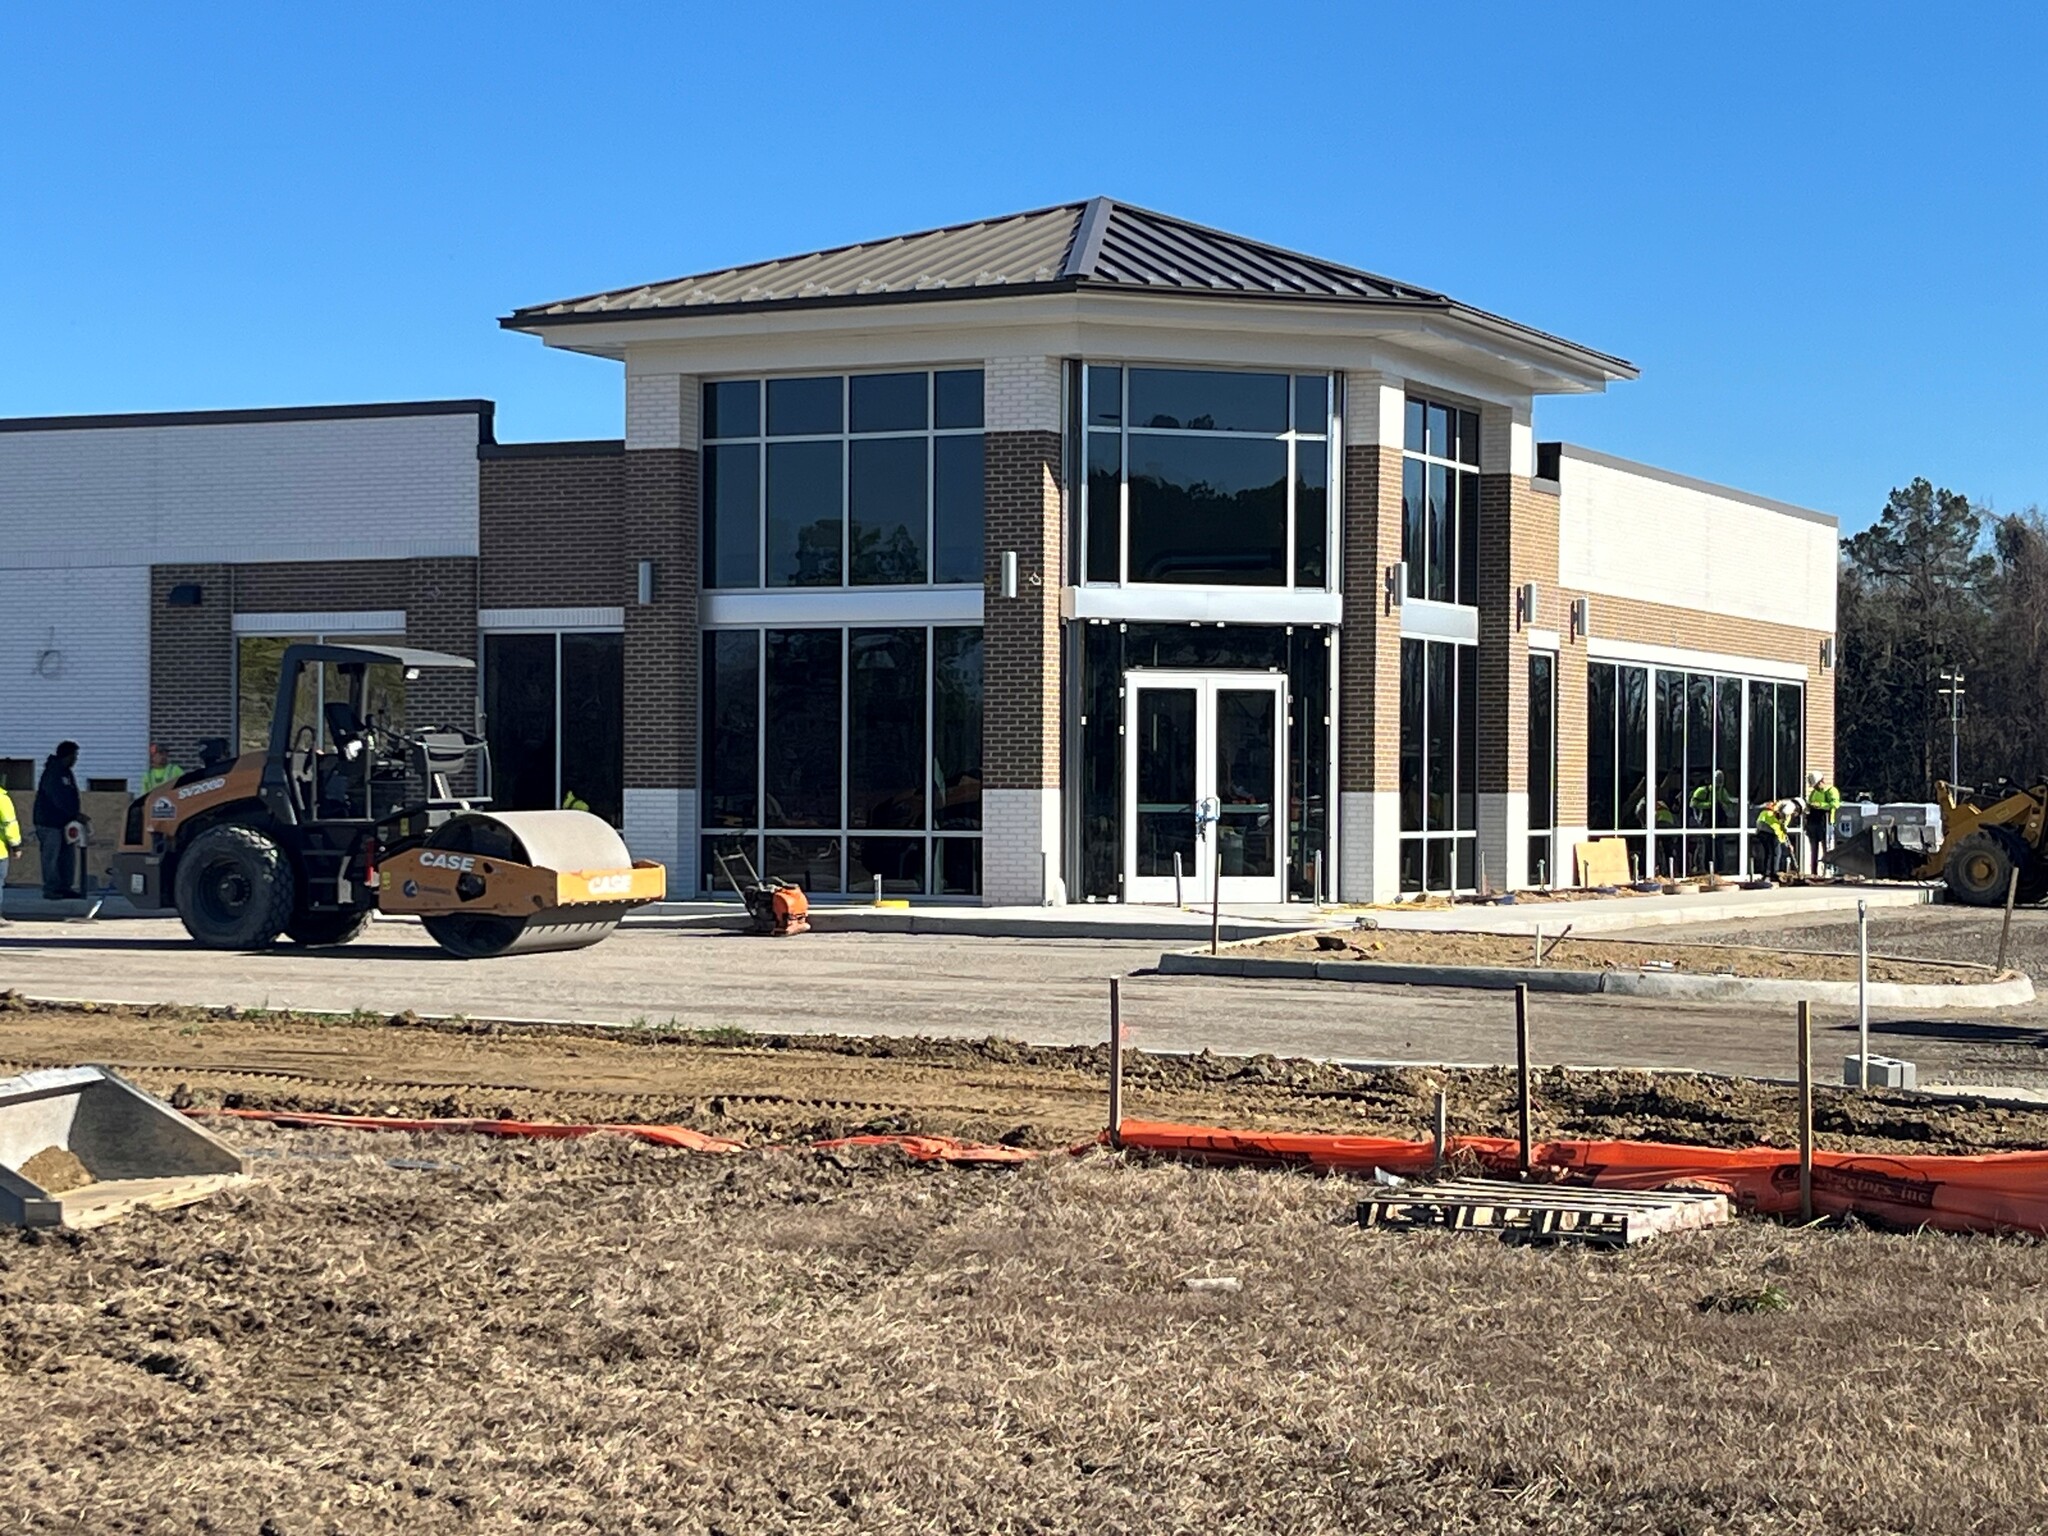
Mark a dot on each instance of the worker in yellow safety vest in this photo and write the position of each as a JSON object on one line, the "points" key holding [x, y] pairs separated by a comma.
{"points": [[1822, 801], [1771, 838], [571, 801], [10, 843], [161, 769]]}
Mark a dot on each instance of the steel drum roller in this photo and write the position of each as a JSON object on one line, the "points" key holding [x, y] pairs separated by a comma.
{"points": [[554, 840]]}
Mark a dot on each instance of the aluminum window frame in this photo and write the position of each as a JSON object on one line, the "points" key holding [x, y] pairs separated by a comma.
{"points": [[1454, 835], [845, 438], [1293, 437], [483, 648]]}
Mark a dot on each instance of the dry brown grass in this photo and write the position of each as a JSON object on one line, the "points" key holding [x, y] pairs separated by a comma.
{"points": [[607, 1337]]}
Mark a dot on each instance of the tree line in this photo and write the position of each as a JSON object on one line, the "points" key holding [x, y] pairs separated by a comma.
{"points": [[1938, 584]]}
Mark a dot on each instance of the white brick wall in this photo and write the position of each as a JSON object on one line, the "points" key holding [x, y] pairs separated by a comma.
{"points": [[1369, 845], [74, 662], [1020, 844], [662, 410], [339, 489], [661, 824], [1504, 839], [1021, 394], [1638, 533], [1373, 404]]}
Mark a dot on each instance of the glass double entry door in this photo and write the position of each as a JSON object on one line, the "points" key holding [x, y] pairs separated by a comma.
{"points": [[1190, 736]]}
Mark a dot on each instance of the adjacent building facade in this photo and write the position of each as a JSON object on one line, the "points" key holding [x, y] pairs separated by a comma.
{"points": [[1083, 554]]}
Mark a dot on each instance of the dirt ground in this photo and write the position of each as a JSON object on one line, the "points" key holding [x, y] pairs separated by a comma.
{"points": [[1394, 946], [604, 1337], [764, 1089]]}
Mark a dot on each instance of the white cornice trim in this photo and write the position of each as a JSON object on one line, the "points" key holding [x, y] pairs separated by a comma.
{"points": [[1599, 649], [842, 605], [1146, 604]]}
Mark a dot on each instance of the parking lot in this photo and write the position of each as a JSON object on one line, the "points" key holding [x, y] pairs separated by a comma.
{"points": [[1044, 991]]}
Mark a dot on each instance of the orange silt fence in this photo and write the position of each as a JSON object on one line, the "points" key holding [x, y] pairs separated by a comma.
{"points": [[1990, 1192]]}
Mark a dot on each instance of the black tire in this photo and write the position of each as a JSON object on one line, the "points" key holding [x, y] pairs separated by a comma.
{"points": [[319, 929], [2033, 873], [1978, 868], [235, 888]]}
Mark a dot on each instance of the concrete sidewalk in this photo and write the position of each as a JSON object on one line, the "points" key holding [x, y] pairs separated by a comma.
{"points": [[1190, 925]]}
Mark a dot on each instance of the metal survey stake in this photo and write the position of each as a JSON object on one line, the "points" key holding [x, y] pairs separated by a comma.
{"points": [[1522, 1068], [1116, 1061], [1805, 1110], [1863, 995]]}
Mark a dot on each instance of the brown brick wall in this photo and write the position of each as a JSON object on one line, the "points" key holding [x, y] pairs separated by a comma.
{"points": [[1369, 673], [191, 681], [1517, 544], [551, 531], [192, 649], [1021, 634], [662, 642]]}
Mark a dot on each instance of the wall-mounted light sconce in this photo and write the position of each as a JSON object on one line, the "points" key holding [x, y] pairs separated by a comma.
{"points": [[1582, 618], [1525, 604], [186, 594], [1009, 586], [1827, 654], [1397, 582], [644, 593]]}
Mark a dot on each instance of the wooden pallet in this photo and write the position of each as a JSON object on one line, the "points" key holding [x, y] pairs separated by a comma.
{"points": [[1613, 1218]]}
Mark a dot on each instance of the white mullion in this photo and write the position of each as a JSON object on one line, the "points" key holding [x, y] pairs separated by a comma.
{"points": [[1293, 443], [761, 501], [1123, 476], [845, 509]]}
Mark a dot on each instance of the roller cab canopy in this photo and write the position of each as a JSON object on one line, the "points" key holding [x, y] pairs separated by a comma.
{"points": [[397, 655]]}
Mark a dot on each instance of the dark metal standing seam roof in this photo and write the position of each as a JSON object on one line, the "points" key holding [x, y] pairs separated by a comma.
{"points": [[1100, 245]]}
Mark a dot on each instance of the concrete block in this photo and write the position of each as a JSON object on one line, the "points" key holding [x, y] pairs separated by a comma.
{"points": [[1885, 1072]]}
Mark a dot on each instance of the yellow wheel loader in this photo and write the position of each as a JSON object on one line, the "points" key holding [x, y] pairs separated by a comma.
{"points": [[345, 813], [1982, 846]]}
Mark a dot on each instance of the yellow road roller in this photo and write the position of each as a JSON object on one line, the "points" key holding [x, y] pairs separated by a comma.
{"points": [[346, 812]]}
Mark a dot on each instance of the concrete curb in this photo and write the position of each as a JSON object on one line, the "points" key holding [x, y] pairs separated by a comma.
{"points": [[2003, 992], [1625, 913], [979, 923]]}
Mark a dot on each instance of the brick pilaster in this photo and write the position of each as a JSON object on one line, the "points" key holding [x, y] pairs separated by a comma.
{"points": [[1021, 634], [191, 660], [661, 641]]}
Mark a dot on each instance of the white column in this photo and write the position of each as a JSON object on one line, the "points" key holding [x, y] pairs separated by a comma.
{"points": [[1020, 848]]}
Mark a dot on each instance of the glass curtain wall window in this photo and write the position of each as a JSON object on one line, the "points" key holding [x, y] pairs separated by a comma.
{"points": [[869, 764], [868, 479], [1440, 502], [1679, 763], [554, 714], [1439, 765], [1203, 477], [1542, 767]]}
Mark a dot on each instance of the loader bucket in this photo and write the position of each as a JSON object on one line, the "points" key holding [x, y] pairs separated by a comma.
{"points": [[493, 883], [80, 1147]]}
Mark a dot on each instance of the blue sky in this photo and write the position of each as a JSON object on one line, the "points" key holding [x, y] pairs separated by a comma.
{"points": [[1818, 229]]}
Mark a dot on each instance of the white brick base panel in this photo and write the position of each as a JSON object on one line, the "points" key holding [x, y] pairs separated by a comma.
{"points": [[1504, 839], [1020, 848], [662, 824], [1369, 846]]}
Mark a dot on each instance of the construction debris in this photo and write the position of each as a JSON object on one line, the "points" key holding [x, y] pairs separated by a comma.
{"points": [[1606, 1217]]}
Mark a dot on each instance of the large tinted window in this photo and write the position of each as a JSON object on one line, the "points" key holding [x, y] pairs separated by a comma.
{"points": [[554, 714], [887, 786], [838, 480], [1439, 765], [732, 712], [885, 728], [1205, 477], [1440, 502], [1208, 510]]}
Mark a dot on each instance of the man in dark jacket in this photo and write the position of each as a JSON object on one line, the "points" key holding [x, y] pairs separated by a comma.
{"points": [[56, 808]]}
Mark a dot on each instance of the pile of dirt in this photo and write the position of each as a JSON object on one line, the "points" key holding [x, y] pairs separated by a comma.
{"points": [[1406, 946], [56, 1170]]}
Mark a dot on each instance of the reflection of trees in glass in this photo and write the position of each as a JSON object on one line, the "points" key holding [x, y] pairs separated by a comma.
{"points": [[817, 554], [887, 556], [1193, 519], [956, 728]]}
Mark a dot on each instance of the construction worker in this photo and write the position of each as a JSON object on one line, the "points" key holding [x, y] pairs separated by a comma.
{"points": [[161, 769], [57, 811], [1771, 838], [1708, 798], [1822, 801], [10, 844], [571, 801]]}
